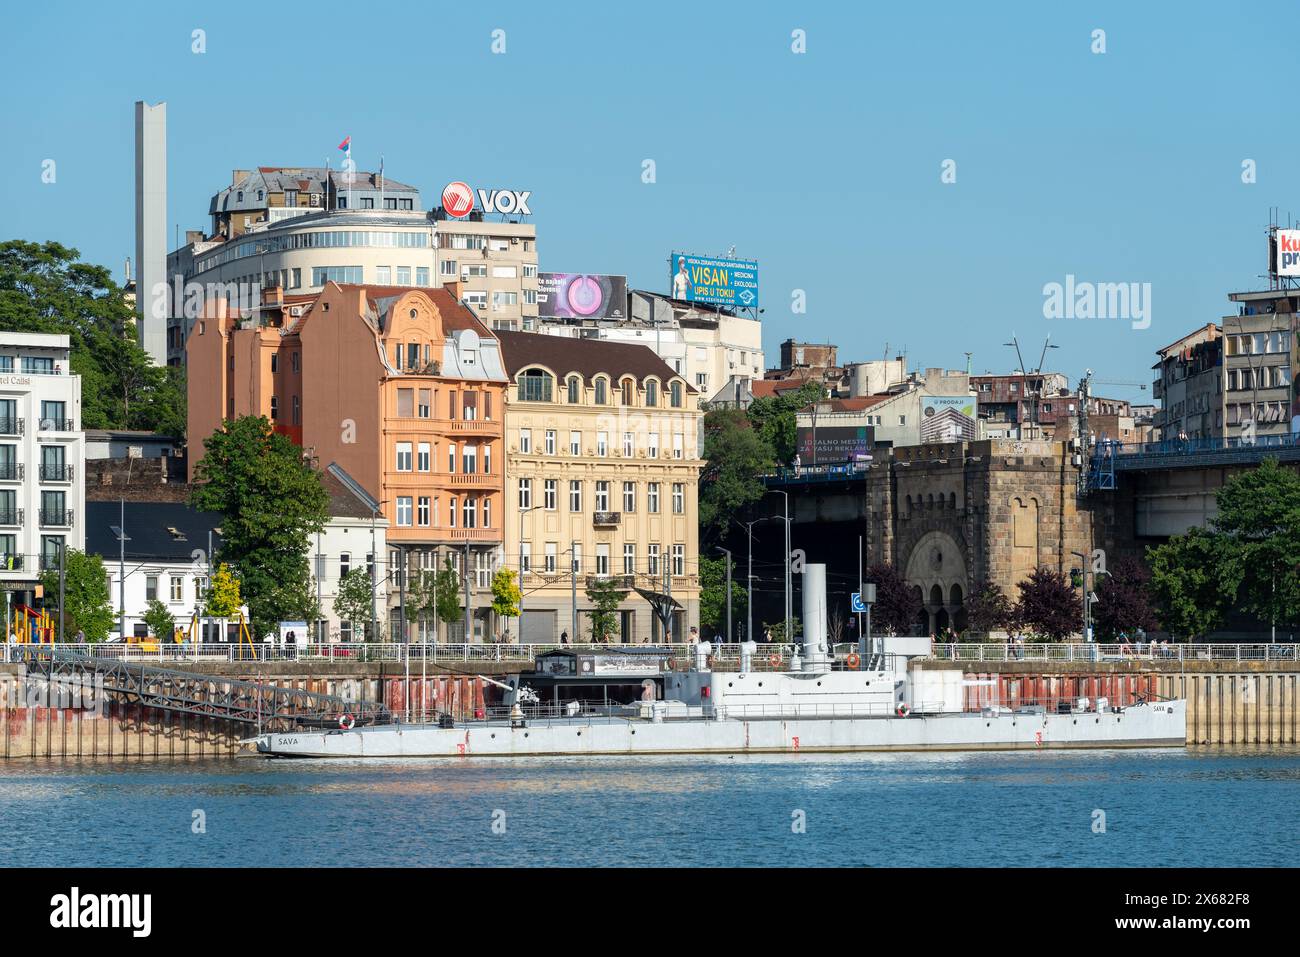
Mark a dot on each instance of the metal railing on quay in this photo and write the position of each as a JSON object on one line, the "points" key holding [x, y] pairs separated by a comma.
{"points": [[1099, 652]]}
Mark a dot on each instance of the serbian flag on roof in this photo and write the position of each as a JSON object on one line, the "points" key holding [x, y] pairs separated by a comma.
{"points": [[346, 145]]}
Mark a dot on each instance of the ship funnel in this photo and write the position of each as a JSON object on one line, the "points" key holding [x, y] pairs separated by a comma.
{"points": [[815, 657]]}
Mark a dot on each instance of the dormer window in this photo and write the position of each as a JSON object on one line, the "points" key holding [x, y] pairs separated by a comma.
{"points": [[575, 390], [602, 392], [534, 386]]}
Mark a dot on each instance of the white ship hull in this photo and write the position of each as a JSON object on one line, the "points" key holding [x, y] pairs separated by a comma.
{"points": [[1162, 724]]}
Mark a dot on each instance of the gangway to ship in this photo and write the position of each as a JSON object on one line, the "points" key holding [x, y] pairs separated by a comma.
{"points": [[263, 706]]}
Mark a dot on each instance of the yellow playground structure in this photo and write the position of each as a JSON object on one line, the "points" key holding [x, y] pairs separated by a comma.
{"points": [[33, 627]]}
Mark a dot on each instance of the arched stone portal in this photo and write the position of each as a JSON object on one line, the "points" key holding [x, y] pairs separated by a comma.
{"points": [[937, 568]]}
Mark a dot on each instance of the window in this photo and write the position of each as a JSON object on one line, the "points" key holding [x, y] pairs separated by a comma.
{"points": [[447, 267], [629, 559], [412, 356], [679, 498], [422, 511], [487, 458], [549, 494], [602, 496], [487, 513], [652, 559], [469, 459], [629, 496], [701, 380], [404, 510], [422, 457], [178, 588], [534, 386], [525, 493], [550, 558], [526, 441], [575, 443], [575, 496], [340, 274], [525, 557], [345, 563], [679, 560], [150, 587], [602, 392], [530, 270], [550, 441], [626, 389], [451, 514], [275, 363], [627, 445], [451, 457], [575, 558], [405, 402], [602, 444], [383, 275], [675, 395], [422, 275], [471, 513], [575, 389], [602, 559], [652, 445], [651, 392], [652, 498], [502, 299], [403, 456], [403, 275], [451, 405], [677, 445]]}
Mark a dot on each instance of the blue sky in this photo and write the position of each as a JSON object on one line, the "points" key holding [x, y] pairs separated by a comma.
{"points": [[825, 166]]}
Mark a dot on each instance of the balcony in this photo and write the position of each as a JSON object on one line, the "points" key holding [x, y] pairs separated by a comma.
{"points": [[474, 480], [12, 426], [57, 425], [10, 563], [606, 519], [492, 535], [11, 472], [474, 426], [622, 581], [57, 473], [11, 516], [56, 517]]}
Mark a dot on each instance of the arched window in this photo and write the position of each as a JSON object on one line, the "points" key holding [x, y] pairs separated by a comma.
{"points": [[602, 391], [651, 392], [575, 389], [627, 388], [534, 386], [675, 395]]}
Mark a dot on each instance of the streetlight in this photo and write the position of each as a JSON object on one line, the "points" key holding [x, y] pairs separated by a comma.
{"points": [[727, 552], [522, 513], [786, 519]]}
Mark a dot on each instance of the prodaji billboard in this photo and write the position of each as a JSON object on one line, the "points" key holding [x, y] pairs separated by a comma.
{"points": [[1288, 252]]}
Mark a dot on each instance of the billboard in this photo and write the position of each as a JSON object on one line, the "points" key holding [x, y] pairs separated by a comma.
{"points": [[836, 444], [1286, 253], [571, 295], [1295, 379], [719, 282], [948, 418]]}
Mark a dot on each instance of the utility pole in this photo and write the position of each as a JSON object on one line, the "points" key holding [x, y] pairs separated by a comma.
{"points": [[573, 577], [786, 517], [749, 582], [121, 567], [63, 551], [374, 561], [522, 513]]}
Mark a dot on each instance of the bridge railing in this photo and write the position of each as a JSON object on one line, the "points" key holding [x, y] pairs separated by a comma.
{"points": [[1189, 446], [1133, 651]]}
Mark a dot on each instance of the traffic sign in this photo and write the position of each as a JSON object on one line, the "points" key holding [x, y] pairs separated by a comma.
{"points": [[863, 598]]}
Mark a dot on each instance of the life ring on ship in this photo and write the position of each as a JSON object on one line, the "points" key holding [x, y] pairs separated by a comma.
{"points": [[852, 661], [670, 664], [347, 722], [775, 661], [902, 710]]}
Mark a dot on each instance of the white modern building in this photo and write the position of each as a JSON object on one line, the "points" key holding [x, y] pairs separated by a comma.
{"points": [[42, 481], [355, 537]]}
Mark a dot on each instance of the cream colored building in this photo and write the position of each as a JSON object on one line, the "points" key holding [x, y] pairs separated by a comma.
{"points": [[602, 468], [496, 266]]}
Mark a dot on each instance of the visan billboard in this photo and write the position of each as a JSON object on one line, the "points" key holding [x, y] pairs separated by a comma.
{"points": [[719, 282]]}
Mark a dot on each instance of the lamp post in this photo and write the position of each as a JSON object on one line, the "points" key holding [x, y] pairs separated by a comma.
{"points": [[522, 513], [727, 552], [786, 519]]}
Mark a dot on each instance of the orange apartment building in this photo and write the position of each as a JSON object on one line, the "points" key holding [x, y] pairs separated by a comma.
{"points": [[404, 388]]}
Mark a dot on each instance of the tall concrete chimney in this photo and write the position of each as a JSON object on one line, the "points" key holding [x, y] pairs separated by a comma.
{"points": [[151, 229]]}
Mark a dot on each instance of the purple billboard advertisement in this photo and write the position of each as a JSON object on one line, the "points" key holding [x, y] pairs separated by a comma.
{"points": [[571, 295]]}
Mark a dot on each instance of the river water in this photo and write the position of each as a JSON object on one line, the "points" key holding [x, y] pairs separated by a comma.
{"points": [[1194, 807]]}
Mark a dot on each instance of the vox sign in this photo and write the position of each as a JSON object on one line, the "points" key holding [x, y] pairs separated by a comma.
{"points": [[457, 201]]}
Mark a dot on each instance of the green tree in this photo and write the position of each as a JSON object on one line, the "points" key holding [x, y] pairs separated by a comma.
{"points": [[1194, 580], [354, 601], [713, 597], [605, 595], [419, 594], [736, 456], [774, 418], [775, 630], [87, 605], [1259, 520], [160, 621], [271, 501], [222, 600], [446, 599], [44, 287], [505, 594]]}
